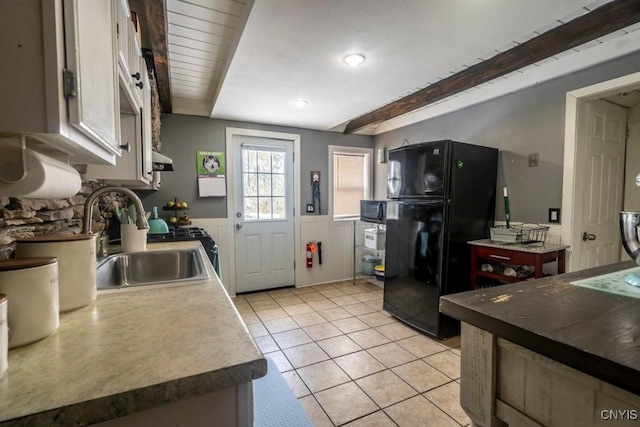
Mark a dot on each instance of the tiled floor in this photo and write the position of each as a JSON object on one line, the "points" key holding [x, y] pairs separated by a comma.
{"points": [[350, 363]]}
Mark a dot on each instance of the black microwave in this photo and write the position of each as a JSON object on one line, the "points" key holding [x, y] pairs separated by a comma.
{"points": [[373, 211]]}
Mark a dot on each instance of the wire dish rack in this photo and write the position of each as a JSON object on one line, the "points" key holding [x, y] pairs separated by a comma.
{"points": [[523, 234]]}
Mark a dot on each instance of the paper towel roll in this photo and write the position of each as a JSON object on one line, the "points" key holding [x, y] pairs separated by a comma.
{"points": [[46, 178]]}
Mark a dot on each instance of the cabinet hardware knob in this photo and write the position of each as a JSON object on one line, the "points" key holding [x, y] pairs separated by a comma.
{"points": [[140, 85], [126, 147], [136, 76]]}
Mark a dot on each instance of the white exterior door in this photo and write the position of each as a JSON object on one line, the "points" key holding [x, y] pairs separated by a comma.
{"points": [[263, 213], [603, 182]]}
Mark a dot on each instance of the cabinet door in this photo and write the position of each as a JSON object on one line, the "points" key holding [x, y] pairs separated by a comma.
{"points": [[135, 77], [147, 164], [91, 54], [124, 20]]}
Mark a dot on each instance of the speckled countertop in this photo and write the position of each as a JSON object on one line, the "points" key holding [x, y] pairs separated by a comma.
{"points": [[129, 351], [536, 248]]}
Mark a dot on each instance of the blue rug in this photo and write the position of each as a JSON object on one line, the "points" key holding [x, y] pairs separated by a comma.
{"points": [[274, 404]]}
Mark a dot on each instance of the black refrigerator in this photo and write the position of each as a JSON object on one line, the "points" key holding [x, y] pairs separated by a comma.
{"points": [[441, 195]]}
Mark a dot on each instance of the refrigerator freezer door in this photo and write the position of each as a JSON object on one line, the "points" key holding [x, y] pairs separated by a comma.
{"points": [[418, 170], [413, 265]]}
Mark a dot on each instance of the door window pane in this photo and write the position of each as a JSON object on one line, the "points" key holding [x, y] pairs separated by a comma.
{"points": [[264, 184], [250, 208], [250, 184]]}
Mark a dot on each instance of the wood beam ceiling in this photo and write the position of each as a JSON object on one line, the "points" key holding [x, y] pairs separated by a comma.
{"points": [[597, 23], [151, 16]]}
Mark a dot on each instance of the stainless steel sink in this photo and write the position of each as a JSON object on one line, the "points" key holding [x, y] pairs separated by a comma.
{"points": [[150, 268]]}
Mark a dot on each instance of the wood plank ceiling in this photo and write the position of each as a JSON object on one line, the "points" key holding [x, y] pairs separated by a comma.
{"points": [[240, 60]]}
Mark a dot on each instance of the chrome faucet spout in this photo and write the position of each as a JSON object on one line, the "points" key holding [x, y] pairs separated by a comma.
{"points": [[141, 220], [629, 222]]}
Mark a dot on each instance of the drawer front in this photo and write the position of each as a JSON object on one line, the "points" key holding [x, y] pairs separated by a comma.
{"points": [[504, 255]]}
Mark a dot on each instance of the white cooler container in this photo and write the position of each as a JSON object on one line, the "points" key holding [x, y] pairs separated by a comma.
{"points": [[374, 239]]}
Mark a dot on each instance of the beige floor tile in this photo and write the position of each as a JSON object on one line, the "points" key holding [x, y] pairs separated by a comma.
{"points": [[421, 345], [452, 342], [419, 412], [322, 376], [243, 307], [447, 398], [368, 338], [318, 417], [345, 403], [375, 304], [365, 296], [272, 313], [264, 304], [308, 319], [296, 384], [386, 388], [280, 325], [344, 300], [289, 300], [298, 309], [280, 360], [256, 297], [324, 286], [286, 292], [335, 314], [303, 290], [350, 324], [312, 296], [396, 331], [391, 355], [239, 299], [447, 362], [332, 293], [420, 375], [366, 286], [377, 419], [249, 318], [322, 304], [375, 319], [359, 364], [322, 331], [267, 344], [257, 330], [306, 354], [359, 309], [339, 346], [291, 338], [456, 351], [350, 289]]}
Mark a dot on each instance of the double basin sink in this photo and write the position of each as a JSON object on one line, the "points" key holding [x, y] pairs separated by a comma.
{"points": [[133, 269]]}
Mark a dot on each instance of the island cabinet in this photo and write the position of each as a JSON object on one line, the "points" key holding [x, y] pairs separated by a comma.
{"points": [[549, 353], [490, 260], [59, 79]]}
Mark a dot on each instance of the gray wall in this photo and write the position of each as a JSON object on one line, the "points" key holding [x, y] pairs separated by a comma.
{"points": [[518, 124], [182, 135]]}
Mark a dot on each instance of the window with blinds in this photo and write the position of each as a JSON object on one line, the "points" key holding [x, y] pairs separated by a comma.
{"points": [[351, 181]]}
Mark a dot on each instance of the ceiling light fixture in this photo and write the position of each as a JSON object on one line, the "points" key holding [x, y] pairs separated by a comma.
{"points": [[354, 60], [300, 103]]}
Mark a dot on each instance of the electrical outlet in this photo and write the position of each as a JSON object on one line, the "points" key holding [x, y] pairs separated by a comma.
{"points": [[309, 208], [533, 160]]}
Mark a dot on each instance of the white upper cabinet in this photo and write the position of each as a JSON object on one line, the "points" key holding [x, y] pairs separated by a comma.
{"points": [[59, 81]]}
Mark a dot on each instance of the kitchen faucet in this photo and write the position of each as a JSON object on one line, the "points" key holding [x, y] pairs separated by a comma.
{"points": [[141, 221]]}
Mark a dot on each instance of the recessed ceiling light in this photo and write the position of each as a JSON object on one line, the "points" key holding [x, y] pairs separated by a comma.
{"points": [[300, 103], [354, 60]]}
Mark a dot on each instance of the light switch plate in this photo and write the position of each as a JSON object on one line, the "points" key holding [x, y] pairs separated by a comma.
{"points": [[554, 215], [309, 208]]}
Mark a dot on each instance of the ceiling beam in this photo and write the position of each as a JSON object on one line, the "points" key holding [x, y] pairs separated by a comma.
{"points": [[597, 23], [151, 15]]}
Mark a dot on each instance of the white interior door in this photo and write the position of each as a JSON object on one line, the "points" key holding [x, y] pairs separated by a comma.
{"points": [[263, 218], [603, 184]]}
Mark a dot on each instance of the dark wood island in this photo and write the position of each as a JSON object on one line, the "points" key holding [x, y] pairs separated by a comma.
{"points": [[548, 353]]}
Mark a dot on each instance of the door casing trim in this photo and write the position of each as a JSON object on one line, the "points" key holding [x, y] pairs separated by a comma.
{"points": [[295, 138], [573, 167]]}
